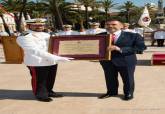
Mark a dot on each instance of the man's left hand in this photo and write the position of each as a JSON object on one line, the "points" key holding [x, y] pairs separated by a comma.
{"points": [[113, 47]]}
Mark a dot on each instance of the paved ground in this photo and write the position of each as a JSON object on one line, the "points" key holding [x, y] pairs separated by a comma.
{"points": [[81, 82]]}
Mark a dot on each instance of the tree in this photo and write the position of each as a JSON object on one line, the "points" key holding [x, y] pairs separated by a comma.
{"points": [[87, 3], [127, 8], [20, 15], [53, 8], [107, 5], [17, 7]]}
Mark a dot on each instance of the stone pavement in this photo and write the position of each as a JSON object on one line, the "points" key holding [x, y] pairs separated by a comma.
{"points": [[81, 82]]}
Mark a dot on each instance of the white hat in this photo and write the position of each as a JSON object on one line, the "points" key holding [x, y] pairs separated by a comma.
{"points": [[67, 26], [127, 24], [37, 20], [95, 24]]}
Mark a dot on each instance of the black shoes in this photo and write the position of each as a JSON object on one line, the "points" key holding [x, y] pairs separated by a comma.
{"points": [[128, 97], [55, 95], [44, 99], [107, 95], [47, 98]]}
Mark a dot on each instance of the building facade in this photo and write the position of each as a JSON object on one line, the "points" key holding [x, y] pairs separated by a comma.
{"points": [[9, 21]]}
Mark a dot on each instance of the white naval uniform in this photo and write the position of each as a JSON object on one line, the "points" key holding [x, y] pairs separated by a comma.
{"points": [[139, 30], [94, 31], [70, 32], [159, 35], [129, 30], [35, 49]]}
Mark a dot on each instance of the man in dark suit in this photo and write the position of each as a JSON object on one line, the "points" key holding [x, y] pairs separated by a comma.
{"points": [[123, 59]]}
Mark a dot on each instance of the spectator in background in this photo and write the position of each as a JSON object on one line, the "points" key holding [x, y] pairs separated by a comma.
{"points": [[67, 30], [94, 29], [126, 28]]}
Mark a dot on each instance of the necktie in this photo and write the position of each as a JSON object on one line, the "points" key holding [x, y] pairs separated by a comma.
{"points": [[113, 38]]}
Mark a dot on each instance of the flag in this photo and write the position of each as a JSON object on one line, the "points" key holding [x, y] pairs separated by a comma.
{"points": [[145, 19]]}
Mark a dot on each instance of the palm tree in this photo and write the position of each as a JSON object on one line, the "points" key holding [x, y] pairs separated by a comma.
{"points": [[35, 9], [24, 2], [87, 3], [127, 9], [94, 14], [16, 6], [53, 8], [107, 5], [76, 16], [40, 9]]}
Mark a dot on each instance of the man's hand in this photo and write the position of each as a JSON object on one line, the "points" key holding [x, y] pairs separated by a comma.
{"points": [[64, 59], [56, 59], [113, 48]]}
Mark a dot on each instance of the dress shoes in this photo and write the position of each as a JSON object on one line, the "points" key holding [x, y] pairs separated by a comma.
{"points": [[107, 95], [53, 94], [44, 99], [128, 97]]}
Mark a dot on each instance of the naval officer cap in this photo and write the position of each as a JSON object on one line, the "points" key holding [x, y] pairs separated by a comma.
{"points": [[94, 24], [126, 24], [67, 26], [36, 20]]}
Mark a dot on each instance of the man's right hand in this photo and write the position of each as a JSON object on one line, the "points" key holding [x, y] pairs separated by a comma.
{"points": [[56, 59], [64, 59]]}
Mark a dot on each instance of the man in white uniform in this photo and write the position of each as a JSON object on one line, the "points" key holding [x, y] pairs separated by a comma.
{"points": [[126, 28], [159, 35], [42, 65], [94, 29], [67, 31]]}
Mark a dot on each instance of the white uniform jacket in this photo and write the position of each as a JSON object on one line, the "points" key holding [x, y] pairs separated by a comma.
{"points": [[159, 34], [35, 46], [94, 31], [70, 32]]}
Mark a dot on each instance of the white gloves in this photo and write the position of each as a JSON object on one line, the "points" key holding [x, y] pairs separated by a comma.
{"points": [[63, 59], [56, 59]]}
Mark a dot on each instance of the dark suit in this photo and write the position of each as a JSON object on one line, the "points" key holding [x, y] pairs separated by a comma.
{"points": [[123, 62]]}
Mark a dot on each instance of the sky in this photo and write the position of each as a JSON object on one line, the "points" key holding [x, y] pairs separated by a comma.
{"points": [[136, 2]]}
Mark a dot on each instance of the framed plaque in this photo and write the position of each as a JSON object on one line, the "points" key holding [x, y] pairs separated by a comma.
{"points": [[80, 47]]}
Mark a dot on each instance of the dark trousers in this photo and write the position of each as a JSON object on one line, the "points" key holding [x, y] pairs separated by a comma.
{"points": [[160, 42], [43, 79], [111, 76]]}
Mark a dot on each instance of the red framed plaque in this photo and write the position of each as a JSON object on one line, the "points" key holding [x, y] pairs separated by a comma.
{"points": [[80, 47]]}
